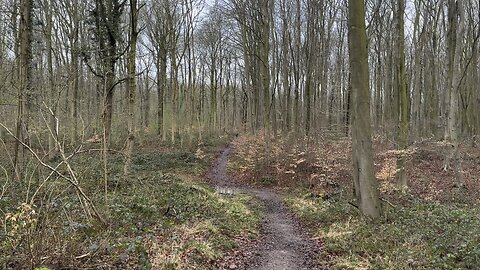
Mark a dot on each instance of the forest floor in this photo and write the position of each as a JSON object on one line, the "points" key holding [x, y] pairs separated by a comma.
{"points": [[433, 225], [163, 215], [284, 244], [210, 207]]}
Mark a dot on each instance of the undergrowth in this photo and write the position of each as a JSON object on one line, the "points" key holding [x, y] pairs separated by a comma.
{"points": [[433, 226], [183, 225], [423, 235], [201, 226], [159, 217]]}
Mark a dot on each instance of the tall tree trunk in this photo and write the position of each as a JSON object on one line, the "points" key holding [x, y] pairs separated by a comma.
{"points": [[295, 51], [286, 102], [364, 177], [75, 72], [477, 90], [107, 19], [52, 146], [25, 83], [286, 76], [389, 100], [161, 64], [417, 84], [131, 85], [402, 98], [266, 10], [434, 93], [455, 50], [310, 59], [174, 90], [213, 96]]}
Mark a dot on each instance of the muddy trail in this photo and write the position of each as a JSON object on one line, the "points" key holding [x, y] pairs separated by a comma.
{"points": [[283, 244]]}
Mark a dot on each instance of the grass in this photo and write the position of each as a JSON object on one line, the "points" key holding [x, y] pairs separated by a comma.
{"points": [[160, 217], [422, 235]]}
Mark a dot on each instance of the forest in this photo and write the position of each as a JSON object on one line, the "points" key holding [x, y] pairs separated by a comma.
{"points": [[239, 134]]}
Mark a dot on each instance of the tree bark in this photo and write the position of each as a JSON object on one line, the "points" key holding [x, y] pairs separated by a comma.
{"points": [[364, 178], [402, 98], [455, 50], [25, 84], [75, 72], [131, 85], [266, 10]]}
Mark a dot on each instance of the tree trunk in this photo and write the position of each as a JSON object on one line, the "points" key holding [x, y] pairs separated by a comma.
{"points": [[310, 60], [417, 84], [146, 116], [52, 146], [364, 178], [25, 84], [265, 71], [108, 20], [131, 85], [402, 98], [75, 72], [455, 50], [161, 64]]}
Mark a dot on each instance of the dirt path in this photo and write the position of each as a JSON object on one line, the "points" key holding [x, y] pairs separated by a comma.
{"points": [[283, 245]]}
